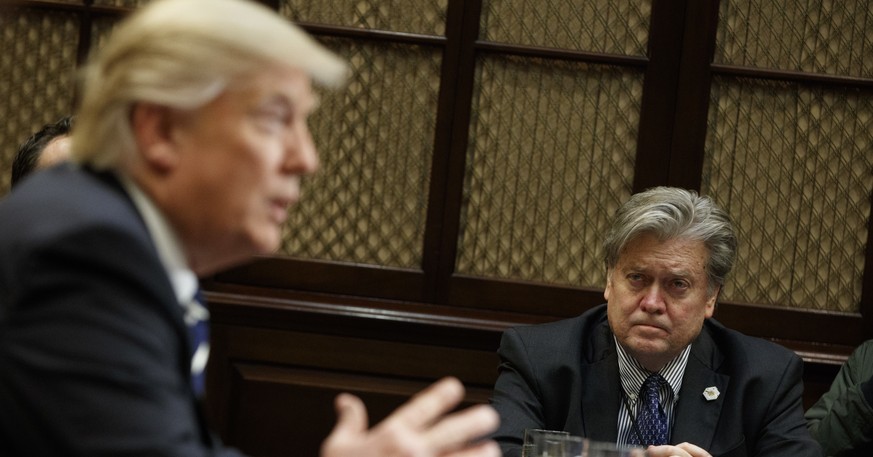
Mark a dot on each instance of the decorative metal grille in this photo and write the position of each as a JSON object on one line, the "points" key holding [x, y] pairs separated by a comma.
{"points": [[426, 17], [550, 160], [368, 202], [37, 70], [831, 37], [121, 3], [101, 29], [604, 26], [793, 166]]}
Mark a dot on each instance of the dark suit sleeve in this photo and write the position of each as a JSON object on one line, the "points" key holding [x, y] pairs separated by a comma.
{"points": [[783, 431], [842, 419], [516, 395], [89, 355]]}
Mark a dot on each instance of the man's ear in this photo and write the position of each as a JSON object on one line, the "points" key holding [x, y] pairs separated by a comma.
{"points": [[152, 133], [712, 301]]}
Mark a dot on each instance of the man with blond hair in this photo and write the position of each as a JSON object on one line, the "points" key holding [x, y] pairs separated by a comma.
{"points": [[189, 147]]}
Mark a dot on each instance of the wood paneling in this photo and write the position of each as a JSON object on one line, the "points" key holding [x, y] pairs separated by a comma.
{"points": [[281, 411]]}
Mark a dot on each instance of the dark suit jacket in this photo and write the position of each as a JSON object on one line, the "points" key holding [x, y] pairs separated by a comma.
{"points": [[94, 354], [564, 376]]}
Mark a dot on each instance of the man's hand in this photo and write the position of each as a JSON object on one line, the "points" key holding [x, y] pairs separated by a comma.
{"points": [[419, 428], [679, 450]]}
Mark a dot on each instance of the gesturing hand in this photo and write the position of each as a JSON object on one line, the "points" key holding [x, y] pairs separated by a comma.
{"points": [[419, 428]]}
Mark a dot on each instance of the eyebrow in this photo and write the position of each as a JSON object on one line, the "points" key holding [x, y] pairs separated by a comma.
{"points": [[679, 273], [286, 101]]}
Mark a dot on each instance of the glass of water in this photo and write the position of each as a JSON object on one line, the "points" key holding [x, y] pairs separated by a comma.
{"points": [[604, 449], [554, 443], [532, 436], [560, 446]]}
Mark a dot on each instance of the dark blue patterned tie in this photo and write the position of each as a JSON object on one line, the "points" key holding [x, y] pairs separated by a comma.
{"points": [[197, 321], [652, 421]]}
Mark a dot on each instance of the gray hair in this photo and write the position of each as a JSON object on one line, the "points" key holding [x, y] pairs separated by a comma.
{"points": [[671, 213], [183, 54]]}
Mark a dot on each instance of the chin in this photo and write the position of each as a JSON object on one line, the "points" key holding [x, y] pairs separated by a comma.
{"points": [[647, 347], [267, 243]]}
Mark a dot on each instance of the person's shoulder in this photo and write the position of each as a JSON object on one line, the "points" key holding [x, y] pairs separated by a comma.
{"points": [[861, 359], [585, 321], [735, 344], [66, 198], [865, 348], [587, 332]]}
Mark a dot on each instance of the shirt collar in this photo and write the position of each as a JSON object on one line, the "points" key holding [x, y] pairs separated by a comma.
{"points": [[632, 373], [182, 278]]}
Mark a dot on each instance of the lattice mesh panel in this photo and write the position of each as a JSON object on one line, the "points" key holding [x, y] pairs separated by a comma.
{"points": [[37, 70], [605, 26], [368, 202], [832, 37], [793, 167], [551, 156], [101, 29], [121, 3], [414, 16]]}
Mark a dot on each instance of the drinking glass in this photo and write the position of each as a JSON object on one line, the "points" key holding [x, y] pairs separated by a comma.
{"points": [[532, 436], [554, 443], [604, 449], [560, 446]]}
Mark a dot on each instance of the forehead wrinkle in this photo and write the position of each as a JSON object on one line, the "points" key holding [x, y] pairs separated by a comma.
{"points": [[673, 267]]}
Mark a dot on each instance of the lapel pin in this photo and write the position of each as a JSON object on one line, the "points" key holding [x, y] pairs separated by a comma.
{"points": [[711, 393]]}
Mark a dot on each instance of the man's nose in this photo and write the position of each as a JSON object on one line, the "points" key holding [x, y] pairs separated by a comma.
{"points": [[301, 157], [653, 300]]}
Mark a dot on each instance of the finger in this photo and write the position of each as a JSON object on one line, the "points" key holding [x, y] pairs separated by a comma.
{"points": [[351, 415], [459, 429], [483, 449], [666, 451], [350, 428], [428, 405], [695, 451]]}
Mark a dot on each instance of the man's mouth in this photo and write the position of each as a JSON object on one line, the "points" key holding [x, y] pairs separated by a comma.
{"points": [[279, 210]]}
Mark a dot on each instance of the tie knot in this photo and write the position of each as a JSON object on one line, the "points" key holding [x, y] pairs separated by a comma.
{"points": [[196, 310], [654, 381], [650, 390]]}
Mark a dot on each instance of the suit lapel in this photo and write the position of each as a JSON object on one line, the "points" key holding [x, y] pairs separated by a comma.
{"points": [[696, 417], [600, 398], [135, 222]]}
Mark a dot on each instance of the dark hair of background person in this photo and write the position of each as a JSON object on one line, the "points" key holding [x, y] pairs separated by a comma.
{"points": [[28, 153]]}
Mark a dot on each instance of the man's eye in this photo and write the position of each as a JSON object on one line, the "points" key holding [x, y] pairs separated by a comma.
{"points": [[680, 285], [272, 120]]}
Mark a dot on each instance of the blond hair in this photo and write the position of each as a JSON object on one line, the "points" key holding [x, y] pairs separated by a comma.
{"points": [[183, 54]]}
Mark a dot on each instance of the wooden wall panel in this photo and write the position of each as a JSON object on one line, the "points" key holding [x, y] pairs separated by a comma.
{"points": [[281, 411], [271, 390]]}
